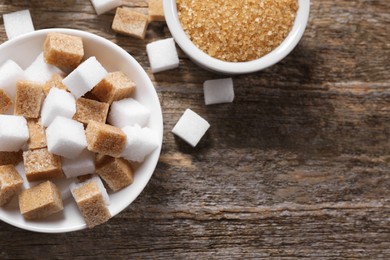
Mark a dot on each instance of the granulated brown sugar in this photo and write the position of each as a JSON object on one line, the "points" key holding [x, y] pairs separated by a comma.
{"points": [[237, 30]]}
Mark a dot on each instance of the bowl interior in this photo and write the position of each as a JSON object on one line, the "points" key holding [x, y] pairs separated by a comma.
{"points": [[23, 50], [208, 62]]}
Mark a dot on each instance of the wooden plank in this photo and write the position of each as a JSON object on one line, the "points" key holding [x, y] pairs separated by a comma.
{"points": [[297, 166]]}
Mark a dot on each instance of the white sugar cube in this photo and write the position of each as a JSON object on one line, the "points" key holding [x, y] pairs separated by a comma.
{"points": [[128, 112], [57, 103], [13, 133], [191, 127], [39, 71], [218, 91], [162, 55], [103, 6], [83, 164], [86, 76], [10, 73], [100, 184], [18, 23], [66, 137], [140, 142]]}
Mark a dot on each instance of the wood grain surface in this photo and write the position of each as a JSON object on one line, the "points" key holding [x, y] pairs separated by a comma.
{"points": [[297, 167]]}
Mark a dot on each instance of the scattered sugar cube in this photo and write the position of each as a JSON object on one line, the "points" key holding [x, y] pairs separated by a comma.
{"points": [[40, 164], [13, 133], [129, 22], [66, 137], [87, 75], [105, 139], [92, 199], [18, 23], [156, 10], [140, 142], [63, 50], [54, 82], [82, 165], [39, 71], [5, 102], [37, 134], [115, 86], [218, 91], [57, 103], [128, 112], [116, 172], [11, 158], [29, 98], [88, 109], [191, 127], [40, 201], [10, 73], [103, 6], [162, 55], [10, 183]]}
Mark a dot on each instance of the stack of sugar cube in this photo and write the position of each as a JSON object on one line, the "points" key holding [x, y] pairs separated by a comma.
{"points": [[72, 118]]}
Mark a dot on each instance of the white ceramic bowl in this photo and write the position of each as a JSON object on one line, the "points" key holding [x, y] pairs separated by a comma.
{"points": [[23, 50], [210, 63]]}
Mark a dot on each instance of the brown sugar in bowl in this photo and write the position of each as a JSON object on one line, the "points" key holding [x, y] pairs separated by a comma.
{"points": [[225, 60]]}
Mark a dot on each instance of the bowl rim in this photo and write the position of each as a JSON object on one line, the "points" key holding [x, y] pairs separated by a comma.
{"points": [[154, 157], [204, 60]]}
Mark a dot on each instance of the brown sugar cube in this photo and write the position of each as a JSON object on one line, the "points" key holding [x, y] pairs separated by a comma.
{"points": [[11, 157], [54, 81], [40, 201], [89, 95], [88, 109], [29, 98], [10, 183], [63, 50], [131, 23], [115, 86], [116, 172], [37, 134], [156, 10], [5, 102], [105, 139], [41, 165], [101, 160], [90, 202], [83, 178]]}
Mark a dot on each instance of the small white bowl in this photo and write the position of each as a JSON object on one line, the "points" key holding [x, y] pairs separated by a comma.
{"points": [[23, 50], [213, 64]]}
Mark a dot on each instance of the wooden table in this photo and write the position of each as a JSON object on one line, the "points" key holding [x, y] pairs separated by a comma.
{"points": [[297, 166]]}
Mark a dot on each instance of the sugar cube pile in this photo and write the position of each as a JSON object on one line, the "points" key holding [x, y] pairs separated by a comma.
{"points": [[62, 129]]}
